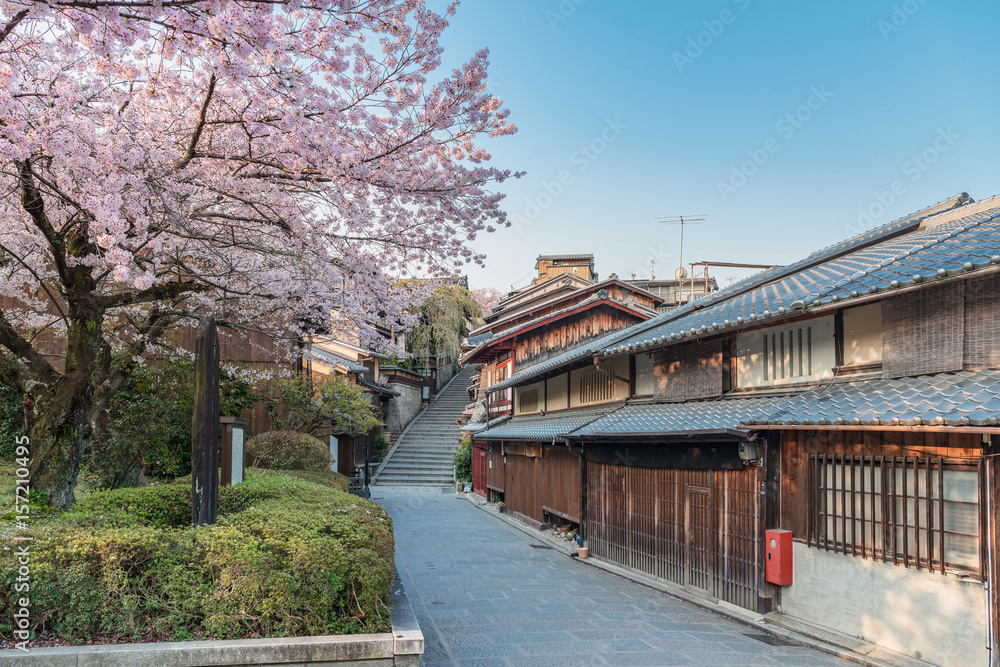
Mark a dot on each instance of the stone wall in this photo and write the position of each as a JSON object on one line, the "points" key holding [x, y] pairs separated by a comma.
{"points": [[444, 373], [401, 410]]}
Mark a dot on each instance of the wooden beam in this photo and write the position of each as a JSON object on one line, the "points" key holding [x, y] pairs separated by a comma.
{"points": [[205, 426]]}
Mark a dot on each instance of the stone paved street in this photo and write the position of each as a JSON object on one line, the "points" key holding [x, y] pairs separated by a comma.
{"points": [[485, 596]]}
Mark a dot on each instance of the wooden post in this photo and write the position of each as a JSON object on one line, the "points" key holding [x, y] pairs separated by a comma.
{"points": [[205, 426], [991, 568], [769, 479], [233, 436], [584, 530]]}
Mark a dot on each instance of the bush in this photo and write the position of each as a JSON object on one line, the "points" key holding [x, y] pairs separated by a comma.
{"points": [[149, 423], [288, 557], [380, 449], [463, 461], [11, 419], [288, 450]]}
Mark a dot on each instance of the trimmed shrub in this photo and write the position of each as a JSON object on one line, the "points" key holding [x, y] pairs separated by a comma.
{"points": [[288, 557], [463, 461], [379, 449], [288, 450]]}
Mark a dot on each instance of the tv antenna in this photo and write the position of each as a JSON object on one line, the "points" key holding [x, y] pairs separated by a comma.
{"points": [[681, 273]]}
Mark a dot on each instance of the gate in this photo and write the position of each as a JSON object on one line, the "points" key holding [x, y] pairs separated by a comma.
{"points": [[694, 528], [698, 537], [479, 464]]}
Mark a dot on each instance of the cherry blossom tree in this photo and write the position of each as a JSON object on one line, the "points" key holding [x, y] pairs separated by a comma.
{"points": [[488, 298], [258, 161]]}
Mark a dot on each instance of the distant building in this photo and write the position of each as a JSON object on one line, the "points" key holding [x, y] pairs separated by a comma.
{"points": [[581, 266], [676, 293]]}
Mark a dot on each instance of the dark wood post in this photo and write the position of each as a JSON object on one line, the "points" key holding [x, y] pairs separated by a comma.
{"points": [[584, 529], [205, 426], [991, 568], [769, 479]]}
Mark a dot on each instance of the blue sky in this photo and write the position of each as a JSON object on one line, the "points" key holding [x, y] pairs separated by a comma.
{"points": [[792, 125]]}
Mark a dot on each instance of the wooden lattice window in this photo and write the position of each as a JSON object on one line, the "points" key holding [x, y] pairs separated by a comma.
{"points": [[596, 387], [911, 511], [527, 400]]}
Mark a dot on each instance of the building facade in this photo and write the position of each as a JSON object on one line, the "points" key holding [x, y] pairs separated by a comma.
{"points": [[851, 398]]}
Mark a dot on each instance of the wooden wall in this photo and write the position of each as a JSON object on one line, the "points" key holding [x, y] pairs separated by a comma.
{"points": [[540, 344], [797, 445], [689, 371], [699, 529], [254, 349], [537, 478]]}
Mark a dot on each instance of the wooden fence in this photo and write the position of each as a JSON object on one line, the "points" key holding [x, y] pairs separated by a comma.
{"points": [[695, 528]]}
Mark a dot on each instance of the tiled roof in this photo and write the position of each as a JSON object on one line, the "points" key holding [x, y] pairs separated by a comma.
{"points": [[377, 388], [954, 399], [479, 338], [591, 300], [746, 295], [965, 244], [330, 358], [718, 416], [541, 257], [541, 427]]}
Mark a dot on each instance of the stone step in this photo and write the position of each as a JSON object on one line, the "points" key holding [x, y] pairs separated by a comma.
{"points": [[404, 477]]}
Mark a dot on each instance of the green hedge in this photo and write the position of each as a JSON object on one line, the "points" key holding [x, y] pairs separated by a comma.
{"points": [[288, 450], [463, 461], [288, 557]]}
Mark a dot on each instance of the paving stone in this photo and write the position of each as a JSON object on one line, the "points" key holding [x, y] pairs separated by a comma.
{"points": [[482, 596]]}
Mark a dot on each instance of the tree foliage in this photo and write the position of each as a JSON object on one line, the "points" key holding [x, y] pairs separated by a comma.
{"points": [[149, 422], [443, 321], [258, 161], [327, 404]]}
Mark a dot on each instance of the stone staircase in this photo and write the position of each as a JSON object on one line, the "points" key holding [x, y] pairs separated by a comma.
{"points": [[424, 455]]}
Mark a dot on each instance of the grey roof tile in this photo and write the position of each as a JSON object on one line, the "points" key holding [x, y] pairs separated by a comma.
{"points": [[543, 427], [841, 271], [956, 399], [665, 418], [328, 357]]}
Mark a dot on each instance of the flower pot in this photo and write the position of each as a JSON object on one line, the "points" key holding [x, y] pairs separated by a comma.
{"points": [[583, 552]]}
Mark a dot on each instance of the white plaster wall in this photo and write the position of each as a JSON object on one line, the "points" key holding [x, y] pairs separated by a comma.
{"points": [[558, 393], [913, 612]]}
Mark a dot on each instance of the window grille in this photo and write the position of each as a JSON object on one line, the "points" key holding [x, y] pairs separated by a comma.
{"points": [[911, 511], [788, 354], [528, 400], [596, 387]]}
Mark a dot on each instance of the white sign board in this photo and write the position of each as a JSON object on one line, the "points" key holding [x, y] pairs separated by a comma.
{"points": [[237, 461]]}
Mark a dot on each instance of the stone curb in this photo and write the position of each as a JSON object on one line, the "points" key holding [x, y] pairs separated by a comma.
{"points": [[842, 646]]}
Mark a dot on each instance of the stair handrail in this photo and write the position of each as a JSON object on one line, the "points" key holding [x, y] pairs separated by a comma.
{"points": [[395, 445]]}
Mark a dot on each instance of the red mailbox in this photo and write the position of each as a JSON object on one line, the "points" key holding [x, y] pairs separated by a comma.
{"points": [[779, 557]]}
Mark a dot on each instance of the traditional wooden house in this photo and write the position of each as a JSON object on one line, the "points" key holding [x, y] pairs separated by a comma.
{"points": [[559, 310], [851, 398]]}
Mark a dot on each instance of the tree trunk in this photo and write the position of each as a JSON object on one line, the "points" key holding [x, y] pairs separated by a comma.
{"points": [[66, 410], [59, 435]]}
